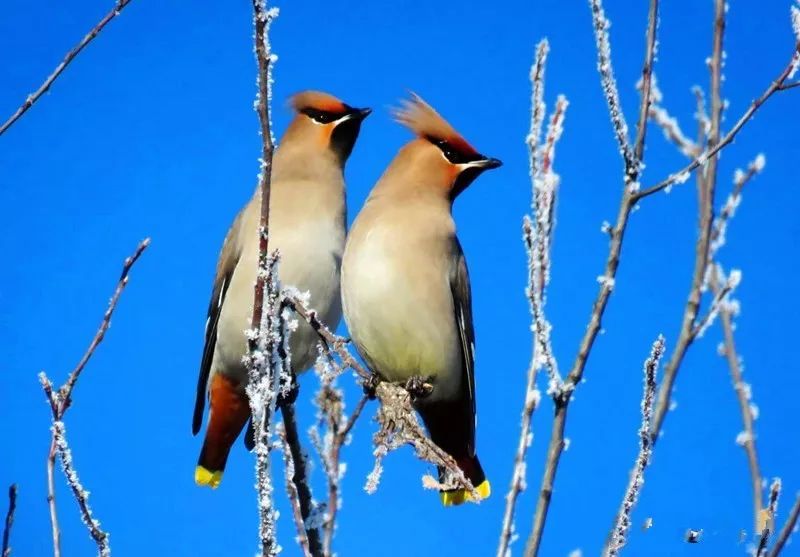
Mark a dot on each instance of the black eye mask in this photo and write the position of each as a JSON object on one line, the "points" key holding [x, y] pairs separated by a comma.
{"points": [[453, 155], [321, 116]]}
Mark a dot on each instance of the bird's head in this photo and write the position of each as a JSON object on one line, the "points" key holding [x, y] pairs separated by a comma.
{"points": [[324, 122], [440, 153]]}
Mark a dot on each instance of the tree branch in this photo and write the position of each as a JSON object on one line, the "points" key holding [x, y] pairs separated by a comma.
{"points": [[12, 507], [619, 534], [537, 234], [771, 511], [748, 441], [298, 476], [632, 169], [683, 174], [60, 401], [787, 529], [706, 190], [71, 55], [267, 334], [292, 491]]}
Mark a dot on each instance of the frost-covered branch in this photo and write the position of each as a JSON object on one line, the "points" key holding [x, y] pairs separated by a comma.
{"points": [[669, 124], [337, 428], [71, 55], [331, 342], [721, 300], [788, 528], [633, 167], [298, 476], [740, 179], [60, 401], [266, 368], [619, 534], [747, 438], [779, 84], [12, 507], [398, 426], [609, 83], [99, 536], [292, 491], [537, 234], [707, 183], [769, 519]]}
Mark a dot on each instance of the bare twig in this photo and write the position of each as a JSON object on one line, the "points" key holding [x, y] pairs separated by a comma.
{"points": [[788, 528], [748, 440], [291, 489], [12, 507], [669, 124], [771, 511], [619, 534], [683, 174], [334, 472], [537, 233], [71, 55], [55, 530], [330, 402], [740, 179], [60, 401], [706, 190], [298, 476], [331, 342], [632, 169], [723, 291]]}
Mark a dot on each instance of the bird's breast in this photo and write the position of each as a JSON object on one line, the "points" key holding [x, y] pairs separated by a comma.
{"points": [[398, 308]]}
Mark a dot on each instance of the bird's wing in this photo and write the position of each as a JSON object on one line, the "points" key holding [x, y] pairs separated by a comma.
{"points": [[462, 304], [228, 258]]}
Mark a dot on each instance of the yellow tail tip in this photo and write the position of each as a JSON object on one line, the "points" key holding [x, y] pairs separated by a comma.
{"points": [[460, 496], [205, 477]]}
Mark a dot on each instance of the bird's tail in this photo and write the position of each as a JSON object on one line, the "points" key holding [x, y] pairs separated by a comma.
{"points": [[471, 467], [228, 414]]}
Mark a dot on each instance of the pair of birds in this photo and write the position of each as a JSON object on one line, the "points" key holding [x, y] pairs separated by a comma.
{"points": [[399, 276]]}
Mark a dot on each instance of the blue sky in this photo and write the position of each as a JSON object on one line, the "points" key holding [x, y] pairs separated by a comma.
{"points": [[151, 133]]}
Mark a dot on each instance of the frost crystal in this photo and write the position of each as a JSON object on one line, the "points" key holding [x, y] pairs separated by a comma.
{"points": [[743, 438], [796, 21], [606, 281], [601, 26], [619, 535]]}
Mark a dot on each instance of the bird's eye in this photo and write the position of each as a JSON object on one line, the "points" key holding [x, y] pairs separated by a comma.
{"points": [[452, 154], [447, 150], [320, 116]]}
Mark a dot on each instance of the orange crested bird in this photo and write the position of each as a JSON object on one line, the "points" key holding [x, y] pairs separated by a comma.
{"points": [[405, 287], [307, 225]]}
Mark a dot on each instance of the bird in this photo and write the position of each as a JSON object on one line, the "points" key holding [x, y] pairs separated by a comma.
{"points": [[405, 286], [307, 225]]}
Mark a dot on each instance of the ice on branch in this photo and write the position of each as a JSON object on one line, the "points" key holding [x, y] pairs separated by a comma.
{"points": [[81, 494], [669, 125], [619, 534], [609, 83], [398, 426]]}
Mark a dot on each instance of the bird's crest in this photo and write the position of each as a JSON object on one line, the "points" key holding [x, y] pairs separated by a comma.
{"points": [[423, 120], [317, 100]]}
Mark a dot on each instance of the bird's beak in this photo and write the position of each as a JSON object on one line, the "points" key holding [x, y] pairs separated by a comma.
{"points": [[358, 114], [484, 164]]}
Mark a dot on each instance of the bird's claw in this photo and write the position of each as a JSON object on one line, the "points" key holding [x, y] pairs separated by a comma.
{"points": [[418, 387]]}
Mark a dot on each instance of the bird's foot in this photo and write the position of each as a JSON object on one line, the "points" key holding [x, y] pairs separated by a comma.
{"points": [[419, 387], [370, 386]]}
